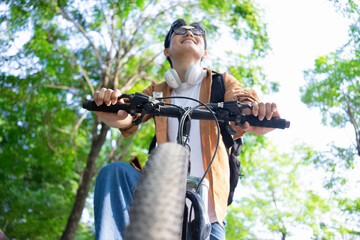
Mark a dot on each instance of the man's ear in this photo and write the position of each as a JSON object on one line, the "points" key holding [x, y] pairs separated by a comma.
{"points": [[167, 52], [204, 55]]}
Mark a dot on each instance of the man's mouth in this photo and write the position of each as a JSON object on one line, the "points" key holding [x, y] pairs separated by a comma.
{"points": [[189, 39]]}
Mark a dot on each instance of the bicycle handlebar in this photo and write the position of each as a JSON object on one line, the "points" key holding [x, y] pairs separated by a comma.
{"points": [[226, 111]]}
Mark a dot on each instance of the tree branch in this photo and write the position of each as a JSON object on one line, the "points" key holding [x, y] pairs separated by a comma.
{"points": [[57, 87], [126, 148], [349, 112], [111, 155], [128, 84], [72, 62], [142, 21], [80, 121], [134, 36], [82, 30], [273, 197], [111, 29], [5, 224], [139, 74]]}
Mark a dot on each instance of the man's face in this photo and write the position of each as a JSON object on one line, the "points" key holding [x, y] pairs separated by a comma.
{"points": [[186, 41]]}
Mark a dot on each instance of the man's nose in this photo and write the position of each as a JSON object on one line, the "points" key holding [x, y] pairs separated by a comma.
{"points": [[189, 32]]}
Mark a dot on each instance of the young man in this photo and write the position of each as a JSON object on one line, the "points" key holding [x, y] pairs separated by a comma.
{"points": [[185, 47]]}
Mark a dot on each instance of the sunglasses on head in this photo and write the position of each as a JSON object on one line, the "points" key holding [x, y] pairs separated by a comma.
{"points": [[183, 31]]}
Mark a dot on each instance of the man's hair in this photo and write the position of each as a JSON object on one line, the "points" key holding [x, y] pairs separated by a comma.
{"points": [[179, 23]]}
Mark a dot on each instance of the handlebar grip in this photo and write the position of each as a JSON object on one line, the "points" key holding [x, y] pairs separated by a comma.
{"points": [[272, 123], [91, 106]]}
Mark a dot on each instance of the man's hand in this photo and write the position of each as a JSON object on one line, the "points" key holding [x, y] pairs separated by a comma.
{"points": [[261, 110], [110, 97]]}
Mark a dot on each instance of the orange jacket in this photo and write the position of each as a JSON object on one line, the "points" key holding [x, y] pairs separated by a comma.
{"points": [[218, 175]]}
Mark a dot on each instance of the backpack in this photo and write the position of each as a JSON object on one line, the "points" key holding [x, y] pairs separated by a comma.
{"points": [[217, 95]]}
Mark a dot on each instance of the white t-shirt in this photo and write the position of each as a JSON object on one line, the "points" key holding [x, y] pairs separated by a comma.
{"points": [[197, 165]]}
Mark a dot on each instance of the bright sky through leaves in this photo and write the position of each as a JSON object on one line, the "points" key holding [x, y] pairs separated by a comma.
{"points": [[301, 31]]}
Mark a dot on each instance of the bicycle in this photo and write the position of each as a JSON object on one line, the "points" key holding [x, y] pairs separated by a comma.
{"points": [[158, 210]]}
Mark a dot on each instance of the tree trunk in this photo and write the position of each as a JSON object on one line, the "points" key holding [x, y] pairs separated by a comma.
{"points": [[353, 121], [84, 186], [358, 141], [3, 236]]}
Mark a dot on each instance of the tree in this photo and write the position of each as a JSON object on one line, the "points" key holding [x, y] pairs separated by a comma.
{"points": [[275, 201], [333, 86], [54, 54]]}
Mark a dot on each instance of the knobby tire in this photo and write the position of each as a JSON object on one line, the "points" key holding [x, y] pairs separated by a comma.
{"points": [[159, 199]]}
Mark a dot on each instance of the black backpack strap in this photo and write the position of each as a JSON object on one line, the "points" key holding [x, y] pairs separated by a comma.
{"points": [[235, 168], [217, 95], [218, 85], [236, 149], [152, 144]]}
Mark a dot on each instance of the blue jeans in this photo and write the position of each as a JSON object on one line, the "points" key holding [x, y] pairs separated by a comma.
{"points": [[114, 188]]}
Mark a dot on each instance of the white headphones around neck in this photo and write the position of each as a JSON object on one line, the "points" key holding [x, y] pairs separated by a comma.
{"points": [[194, 74]]}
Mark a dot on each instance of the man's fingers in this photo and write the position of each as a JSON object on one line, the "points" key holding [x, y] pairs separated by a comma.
{"points": [[255, 108], [107, 96], [99, 96], [269, 111], [273, 107], [275, 110], [96, 96], [114, 97], [262, 111]]}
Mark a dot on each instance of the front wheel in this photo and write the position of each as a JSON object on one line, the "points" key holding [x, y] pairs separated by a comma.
{"points": [[159, 199]]}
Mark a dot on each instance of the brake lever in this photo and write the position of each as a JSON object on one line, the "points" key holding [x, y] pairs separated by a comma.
{"points": [[234, 110], [245, 106], [235, 107], [128, 96], [140, 99], [136, 98], [146, 102]]}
